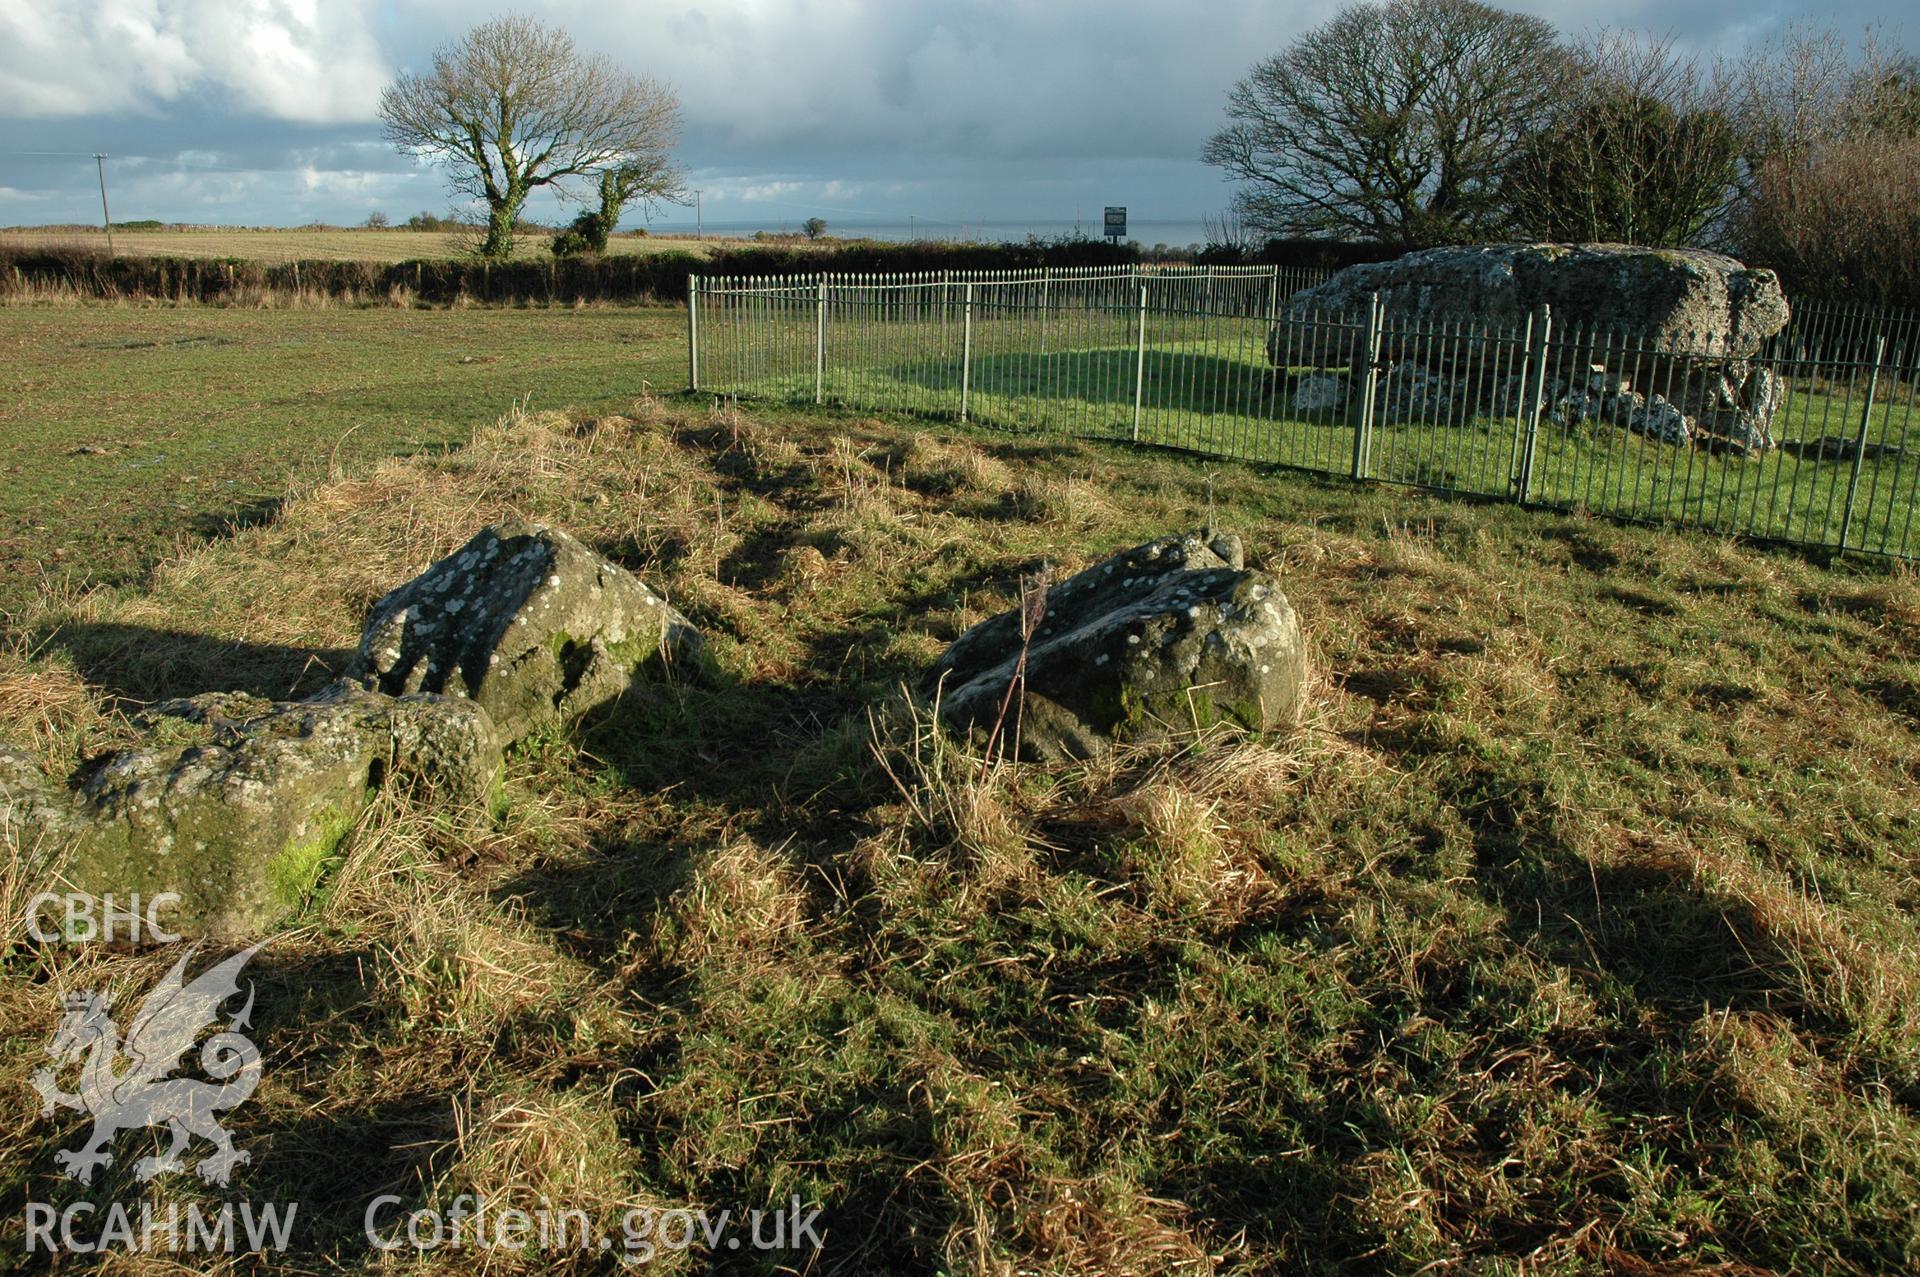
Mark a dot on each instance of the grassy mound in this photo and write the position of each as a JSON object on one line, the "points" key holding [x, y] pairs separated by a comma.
{"points": [[1575, 933]]}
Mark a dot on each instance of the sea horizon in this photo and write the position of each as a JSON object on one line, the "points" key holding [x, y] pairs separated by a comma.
{"points": [[1173, 232]]}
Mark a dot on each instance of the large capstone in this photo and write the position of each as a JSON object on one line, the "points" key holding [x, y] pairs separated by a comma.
{"points": [[1685, 323], [1683, 300], [1170, 636], [238, 805], [531, 624]]}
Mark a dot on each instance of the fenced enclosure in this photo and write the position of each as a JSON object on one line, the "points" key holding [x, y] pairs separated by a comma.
{"points": [[1805, 440]]}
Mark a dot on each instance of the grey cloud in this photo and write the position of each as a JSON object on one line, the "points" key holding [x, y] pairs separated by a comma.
{"points": [[261, 110]]}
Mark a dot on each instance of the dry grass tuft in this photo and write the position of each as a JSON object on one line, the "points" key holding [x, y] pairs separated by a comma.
{"points": [[46, 706], [961, 807], [1065, 503], [743, 904], [557, 1155]]}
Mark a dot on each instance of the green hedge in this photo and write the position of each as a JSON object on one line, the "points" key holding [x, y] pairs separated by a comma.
{"points": [[650, 277]]}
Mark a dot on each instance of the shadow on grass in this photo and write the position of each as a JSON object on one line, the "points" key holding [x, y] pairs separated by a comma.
{"points": [[139, 664], [613, 906], [1639, 927], [1654, 929], [222, 524], [1175, 379], [326, 1164]]}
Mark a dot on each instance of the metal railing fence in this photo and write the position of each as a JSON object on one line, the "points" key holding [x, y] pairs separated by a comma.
{"points": [[1810, 441]]}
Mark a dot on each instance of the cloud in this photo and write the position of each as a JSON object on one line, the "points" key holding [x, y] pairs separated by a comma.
{"points": [[948, 109], [303, 60]]}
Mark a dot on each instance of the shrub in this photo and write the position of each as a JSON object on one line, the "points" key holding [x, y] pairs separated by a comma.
{"points": [[376, 221], [1841, 221], [1625, 168], [1642, 146], [576, 241], [1322, 254]]}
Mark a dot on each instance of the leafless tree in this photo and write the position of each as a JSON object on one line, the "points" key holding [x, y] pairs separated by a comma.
{"points": [[1796, 92], [1229, 238], [1831, 197], [1842, 221], [1641, 147], [513, 106], [1390, 122]]}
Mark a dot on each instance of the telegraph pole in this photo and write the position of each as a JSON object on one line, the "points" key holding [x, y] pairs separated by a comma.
{"points": [[699, 226], [106, 218]]}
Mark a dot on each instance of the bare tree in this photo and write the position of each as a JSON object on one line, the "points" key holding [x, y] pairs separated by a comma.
{"points": [[1795, 92], [1887, 102], [1390, 122], [1810, 87], [1842, 221], [1229, 238], [514, 106], [1641, 148], [1832, 192]]}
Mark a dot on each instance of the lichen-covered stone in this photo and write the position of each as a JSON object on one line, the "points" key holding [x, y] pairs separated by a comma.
{"points": [[1167, 637], [529, 623], [1319, 392], [1670, 299], [243, 822], [35, 813], [1734, 405]]}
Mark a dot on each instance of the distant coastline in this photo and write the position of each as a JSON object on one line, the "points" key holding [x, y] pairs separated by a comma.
{"points": [[1175, 233]]}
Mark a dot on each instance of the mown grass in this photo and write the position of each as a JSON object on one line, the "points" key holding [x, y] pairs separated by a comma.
{"points": [[339, 245], [125, 430], [1573, 934]]}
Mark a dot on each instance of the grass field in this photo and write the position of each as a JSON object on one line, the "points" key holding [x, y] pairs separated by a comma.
{"points": [[1575, 933], [328, 245], [124, 430]]}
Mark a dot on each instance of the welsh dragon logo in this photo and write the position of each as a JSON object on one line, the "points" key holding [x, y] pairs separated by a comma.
{"points": [[124, 1084]]}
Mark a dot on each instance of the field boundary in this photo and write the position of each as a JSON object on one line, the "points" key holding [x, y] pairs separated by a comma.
{"points": [[34, 272]]}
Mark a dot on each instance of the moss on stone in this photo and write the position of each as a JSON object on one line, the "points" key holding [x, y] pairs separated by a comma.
{"points": [[295, 870], [654, 662], [499, 802]]}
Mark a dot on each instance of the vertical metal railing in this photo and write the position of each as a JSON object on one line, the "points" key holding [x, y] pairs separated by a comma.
{"points": [[1139, 365], [1369, 385], [1533, 395], [966, 354], [1860, 439]]}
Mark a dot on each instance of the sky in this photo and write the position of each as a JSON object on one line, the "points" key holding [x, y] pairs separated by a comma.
{"points": [[262, 112]]}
